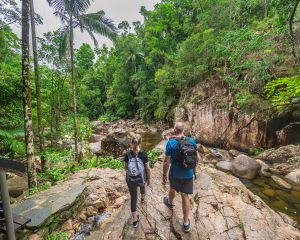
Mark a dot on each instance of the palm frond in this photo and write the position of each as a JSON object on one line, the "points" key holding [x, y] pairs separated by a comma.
{"points": [[72, 7], [63, 17], [79, 6], [82, 28], [64, 37], [58, 5], [98, 23]]}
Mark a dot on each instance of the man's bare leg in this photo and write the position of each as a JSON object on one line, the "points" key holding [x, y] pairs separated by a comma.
{"points": [[172, 195], [185, 207]]}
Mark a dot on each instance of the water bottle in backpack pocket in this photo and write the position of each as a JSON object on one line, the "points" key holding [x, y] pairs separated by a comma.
{"points": [[136, 171]]}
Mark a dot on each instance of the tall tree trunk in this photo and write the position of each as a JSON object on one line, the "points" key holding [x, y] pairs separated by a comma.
{"points": [[292, 35], [266, 8], [29, 141], [74, 88], [37, 88]]}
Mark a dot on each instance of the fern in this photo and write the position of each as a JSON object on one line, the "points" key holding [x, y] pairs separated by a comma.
{"points": [[284, 91]]}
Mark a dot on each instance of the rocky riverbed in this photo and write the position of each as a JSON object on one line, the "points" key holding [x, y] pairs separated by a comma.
{"points": [[96, 201], [222, 206]]}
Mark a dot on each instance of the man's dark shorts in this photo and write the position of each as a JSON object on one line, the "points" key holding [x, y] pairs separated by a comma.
{"points": [[182, 185]]}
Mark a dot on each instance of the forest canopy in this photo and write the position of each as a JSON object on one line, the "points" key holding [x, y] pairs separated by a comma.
{"points": [[250, 47]]}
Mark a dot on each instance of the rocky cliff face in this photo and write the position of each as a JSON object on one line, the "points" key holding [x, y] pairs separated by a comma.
{"points": [[212, 115]]}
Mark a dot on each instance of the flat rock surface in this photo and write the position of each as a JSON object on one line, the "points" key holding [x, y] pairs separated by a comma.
{"points": [[40, 207], [222, 208]]}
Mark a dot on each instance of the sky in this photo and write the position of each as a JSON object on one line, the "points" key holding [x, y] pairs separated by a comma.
{"points": [[117, 10]]}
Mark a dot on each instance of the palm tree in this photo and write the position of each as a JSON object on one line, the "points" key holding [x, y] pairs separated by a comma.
{"points": [[37, 87], [73, 14], [27, 96]]}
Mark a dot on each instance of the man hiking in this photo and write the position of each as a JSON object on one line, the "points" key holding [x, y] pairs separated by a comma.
{"points": [[181, 158]]}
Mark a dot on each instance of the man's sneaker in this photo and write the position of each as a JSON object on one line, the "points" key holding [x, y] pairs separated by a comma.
{"points": [[136, 223], [186, 228], [166, 202]]}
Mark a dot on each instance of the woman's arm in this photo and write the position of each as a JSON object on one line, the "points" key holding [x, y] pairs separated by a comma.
{"points": [[147, 166]]}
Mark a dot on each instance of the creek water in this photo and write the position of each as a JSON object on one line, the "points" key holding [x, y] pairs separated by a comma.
{"points": [[150, 140], [277, 198]]}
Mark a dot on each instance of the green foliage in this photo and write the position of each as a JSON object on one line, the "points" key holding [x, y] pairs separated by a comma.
{"points": [[256, 151], [40, 188], [242, 98], [103, 162], [107, 118], [284, 91], [152, 156], [58, 236]]}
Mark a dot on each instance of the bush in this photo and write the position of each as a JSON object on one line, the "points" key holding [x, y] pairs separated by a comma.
{"points": [[103, 162], [152, 156]]}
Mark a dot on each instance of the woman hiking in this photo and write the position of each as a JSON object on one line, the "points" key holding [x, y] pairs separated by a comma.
{"points": [[137, 175]]}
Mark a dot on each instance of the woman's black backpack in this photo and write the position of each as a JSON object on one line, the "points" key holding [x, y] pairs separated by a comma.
{"points": [[186, 157]]}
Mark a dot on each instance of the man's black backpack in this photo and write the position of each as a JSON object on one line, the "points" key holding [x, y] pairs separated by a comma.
{"points": [[187, 154]]}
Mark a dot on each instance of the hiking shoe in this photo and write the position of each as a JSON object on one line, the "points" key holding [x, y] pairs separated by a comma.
{"points": [[186, 228], [135, 224], [166, 202]]}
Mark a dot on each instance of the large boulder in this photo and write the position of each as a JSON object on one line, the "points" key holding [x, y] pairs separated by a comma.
{"points": [[245, 167], [294, 176], [116, 143], [17, 185], [285, 154], [279, 181], [224, 166]]}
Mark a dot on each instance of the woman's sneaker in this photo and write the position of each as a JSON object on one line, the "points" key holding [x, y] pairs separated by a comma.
{"points": [[143, 198], [135, 224], [186, 228], [166, 202]]}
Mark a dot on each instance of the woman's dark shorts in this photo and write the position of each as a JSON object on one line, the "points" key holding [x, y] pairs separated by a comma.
{"points": [[182, 185]]}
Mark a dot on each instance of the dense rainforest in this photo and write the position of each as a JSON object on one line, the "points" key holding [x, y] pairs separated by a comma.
{"points": [[250, 47]]}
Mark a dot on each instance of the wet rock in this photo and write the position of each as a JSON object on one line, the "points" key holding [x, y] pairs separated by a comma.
{"points": [[245, 167], [294, 176], [269, 192], [265, 169], [281, 182], [281, 155], [224, 166]]}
